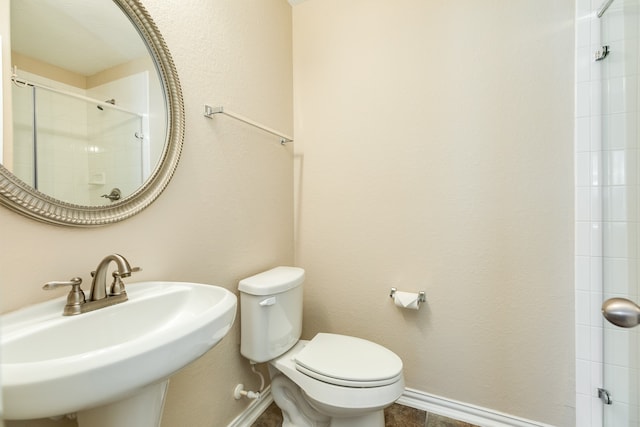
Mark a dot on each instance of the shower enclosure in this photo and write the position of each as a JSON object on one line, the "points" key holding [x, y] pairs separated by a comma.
{"points": [[617, 59], [75, 148]]}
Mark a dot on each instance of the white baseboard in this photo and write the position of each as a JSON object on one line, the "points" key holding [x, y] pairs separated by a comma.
{"points": [[463, 411], [415, 399]]}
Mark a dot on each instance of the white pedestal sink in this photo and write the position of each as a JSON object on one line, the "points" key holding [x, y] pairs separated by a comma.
{"points": [[110, 365]]}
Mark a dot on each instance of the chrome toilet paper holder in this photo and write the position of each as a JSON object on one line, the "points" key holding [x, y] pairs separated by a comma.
{"points": [[421, 295]]}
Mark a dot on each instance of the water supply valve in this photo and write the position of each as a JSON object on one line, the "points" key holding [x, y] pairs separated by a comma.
{"points": [[239, 392]]}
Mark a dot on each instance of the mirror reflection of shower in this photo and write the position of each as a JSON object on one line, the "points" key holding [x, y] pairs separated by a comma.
{"points": [[108, 101], [76, 145], [604, 8]]}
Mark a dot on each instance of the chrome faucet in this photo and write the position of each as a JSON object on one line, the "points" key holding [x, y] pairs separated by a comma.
{"points": [[99, 298], [99, 283]]}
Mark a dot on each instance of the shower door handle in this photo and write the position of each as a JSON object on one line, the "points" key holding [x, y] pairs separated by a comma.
{"points": [[621, 312]]}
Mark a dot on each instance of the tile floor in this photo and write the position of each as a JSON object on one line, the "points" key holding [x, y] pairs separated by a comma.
{"points": [[395, 416]]}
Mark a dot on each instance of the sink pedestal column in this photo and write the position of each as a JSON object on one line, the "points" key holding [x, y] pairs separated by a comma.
{"points": [[142, 409]]}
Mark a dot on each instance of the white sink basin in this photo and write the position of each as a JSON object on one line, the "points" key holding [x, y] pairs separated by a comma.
{"points": [[54, 364]]}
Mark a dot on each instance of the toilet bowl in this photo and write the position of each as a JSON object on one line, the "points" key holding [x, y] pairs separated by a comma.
{"points": [[332, 380], [354, 397]]}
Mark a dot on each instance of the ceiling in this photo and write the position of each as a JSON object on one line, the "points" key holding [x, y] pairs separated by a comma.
{"points": [[82, 36]]}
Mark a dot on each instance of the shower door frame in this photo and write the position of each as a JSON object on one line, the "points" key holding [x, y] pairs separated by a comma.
{"points": [[617, 67]]}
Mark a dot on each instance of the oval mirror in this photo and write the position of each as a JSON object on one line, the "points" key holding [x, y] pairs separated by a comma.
{"points": [[97, 120]]}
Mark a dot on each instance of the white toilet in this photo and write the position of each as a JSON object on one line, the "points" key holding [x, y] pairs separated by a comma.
{"points": [[332, 380]]}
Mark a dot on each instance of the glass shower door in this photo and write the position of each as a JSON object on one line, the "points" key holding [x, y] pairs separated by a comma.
{"points": [[619, 70], [74, 148]]}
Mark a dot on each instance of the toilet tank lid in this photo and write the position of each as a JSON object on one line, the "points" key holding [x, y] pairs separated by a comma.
{"points": [[274, 281]]}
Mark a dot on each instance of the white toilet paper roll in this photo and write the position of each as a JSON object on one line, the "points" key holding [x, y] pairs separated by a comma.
{"points": [[408, 300]]}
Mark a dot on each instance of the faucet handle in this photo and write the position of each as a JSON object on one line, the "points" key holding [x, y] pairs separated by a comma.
{"points": [[76, 297], [76, 281], [117, 286], [132, 270]]}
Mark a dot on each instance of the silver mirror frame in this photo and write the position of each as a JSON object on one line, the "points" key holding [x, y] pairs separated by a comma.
{"points": [[22, 198]]}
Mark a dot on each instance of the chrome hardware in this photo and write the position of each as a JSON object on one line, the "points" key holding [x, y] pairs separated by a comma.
{"points": [[267, 302], [99, 283], [604, 8], [117, 286], [209, 111], [114, 195], [422, 296], [75, 299], [621, 312], [605, 396], [76, 281], [602, 53]]}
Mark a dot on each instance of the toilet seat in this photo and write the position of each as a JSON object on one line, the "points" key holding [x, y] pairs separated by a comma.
{"points": [[343, 399], [348, 361]]}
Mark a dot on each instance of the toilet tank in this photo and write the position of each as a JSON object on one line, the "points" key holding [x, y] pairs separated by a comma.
{"points": [[270, 313]]}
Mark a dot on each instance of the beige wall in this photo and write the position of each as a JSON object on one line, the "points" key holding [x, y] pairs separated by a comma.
{"points": [[433, 152], [35, 66], [227, 212], [433, 144]]}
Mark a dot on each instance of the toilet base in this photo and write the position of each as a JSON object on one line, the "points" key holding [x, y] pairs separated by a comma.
{"points": [[298, 412]]}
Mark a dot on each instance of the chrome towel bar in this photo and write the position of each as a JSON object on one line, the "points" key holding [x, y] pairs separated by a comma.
{"points": [[209, 111]]}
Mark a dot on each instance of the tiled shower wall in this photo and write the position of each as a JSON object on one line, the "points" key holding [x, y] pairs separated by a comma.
{"points": [[606, 201], [119, 159], [56, 147], [81, 148]]}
